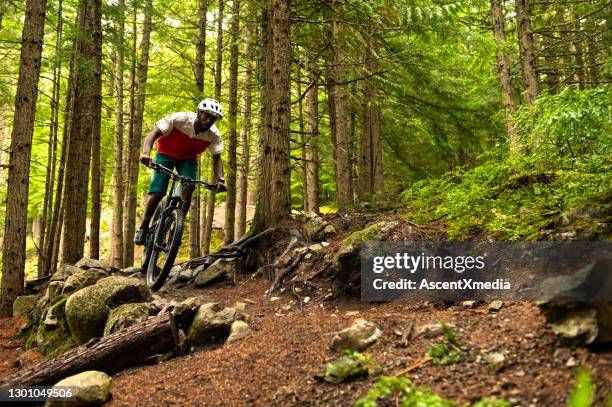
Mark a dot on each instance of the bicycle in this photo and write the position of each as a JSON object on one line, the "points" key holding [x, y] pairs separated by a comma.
{"points": [[161, 246]]}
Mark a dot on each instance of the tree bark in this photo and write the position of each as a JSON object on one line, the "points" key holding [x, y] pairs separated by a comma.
{"points": [[110, 354], [129, 218], [43, 258], [527, 50], [210, 203], [96, 174], [141, 82], [340, 116], [230, 197], [87, 95], [198, 200], [13, 259], [116, 252], [503, 69], [274, 158], [245, 129], [312, 140]]}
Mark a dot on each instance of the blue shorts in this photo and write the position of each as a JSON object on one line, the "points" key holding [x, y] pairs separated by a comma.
{"points": [[186, 168]]}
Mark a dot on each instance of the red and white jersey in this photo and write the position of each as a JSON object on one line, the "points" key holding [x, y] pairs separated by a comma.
{"points": [[180, 141]]}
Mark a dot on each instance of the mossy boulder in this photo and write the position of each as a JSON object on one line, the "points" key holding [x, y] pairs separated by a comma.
{"points": [[51, 336], [82, 279], [54, 291], [88, 309], [184, 311], [580, 324], [126, 315], [347, 261], [23, 304], [212, 323]]}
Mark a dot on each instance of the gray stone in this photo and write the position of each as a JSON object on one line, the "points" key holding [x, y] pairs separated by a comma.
{"points": [[347, 261], [65, 271], [577, 325], [469, 304], [214, 272], [54, 291], [93, 388], [580, 323], [86, 263], [184, 311], [126, 315], [431, 331], [82, 279], [212, 323], [316, 229], [359, 336], [129, 271], [88, 309], [239, 330], [23, 304]]}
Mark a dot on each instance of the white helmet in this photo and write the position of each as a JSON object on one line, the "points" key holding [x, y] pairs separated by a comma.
{"points": [[211, 106]]}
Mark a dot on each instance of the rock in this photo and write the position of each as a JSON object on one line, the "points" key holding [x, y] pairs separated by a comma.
{"points": [[129, 271], [88, 309], [315, 248], [496, 305], [23, 304], [82, 279], [494, 358], [431, 331], [184, 276], [52, 335], [66, 271], [317, 229], [347, 261], [93, 388], [184, 311], [214, 272], [562, 353], [238, 331], [212, 322], [571, 362], [359, 336], [86, 264], [579, 323], [54, 291], [468, 304], [274, 299], [126, 315], [240, 306]]}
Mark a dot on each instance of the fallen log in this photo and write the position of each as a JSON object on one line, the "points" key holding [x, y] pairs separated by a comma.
{"points": [[108, 354]]}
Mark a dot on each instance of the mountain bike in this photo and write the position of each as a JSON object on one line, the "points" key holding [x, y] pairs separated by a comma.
{"points": [[163, 243]]}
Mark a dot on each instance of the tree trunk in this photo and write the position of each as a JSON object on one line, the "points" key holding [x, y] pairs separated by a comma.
{"points": [[52, 150], [302, 164], [118, 193], [245, 129], [527, 50], [110, 354], [139, 104], [13, 259], [274, 157], [129, 217], [87, 100], [96, 178], [198, 201], [339, 115], [503, 69], [312, 133], [230, 200]]}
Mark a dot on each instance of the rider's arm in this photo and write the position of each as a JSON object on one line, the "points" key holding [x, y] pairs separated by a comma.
{"points": [[218, 168], [147, 146]]}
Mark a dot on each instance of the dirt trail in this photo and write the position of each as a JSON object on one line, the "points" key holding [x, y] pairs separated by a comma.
{"points": [[276, 364]]}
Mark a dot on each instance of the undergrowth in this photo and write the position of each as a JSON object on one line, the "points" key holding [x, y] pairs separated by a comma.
{"points": [[562, 159]]}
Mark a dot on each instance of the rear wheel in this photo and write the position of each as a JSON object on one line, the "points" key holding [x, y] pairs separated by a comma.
{"points": [[165, 247]]}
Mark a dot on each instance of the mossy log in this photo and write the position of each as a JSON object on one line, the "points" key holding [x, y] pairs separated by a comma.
{"points": [[108, 354]]}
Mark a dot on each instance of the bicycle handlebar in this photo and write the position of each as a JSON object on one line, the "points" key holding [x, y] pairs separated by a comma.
{"points": [[181, 178]]}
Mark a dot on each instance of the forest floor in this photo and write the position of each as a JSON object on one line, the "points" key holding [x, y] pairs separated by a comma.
{"points": [[277, 363]]}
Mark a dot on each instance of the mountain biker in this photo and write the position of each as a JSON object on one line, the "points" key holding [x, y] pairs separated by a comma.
{"points": [[181, 138]]}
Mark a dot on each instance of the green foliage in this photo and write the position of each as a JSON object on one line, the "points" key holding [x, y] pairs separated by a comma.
{"points": [[584, 389], [556, 167], [449, 351], [350, 365], [403, 390]]}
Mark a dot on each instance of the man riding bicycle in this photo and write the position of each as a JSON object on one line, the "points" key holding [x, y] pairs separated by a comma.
{"points": [[181, 138]]}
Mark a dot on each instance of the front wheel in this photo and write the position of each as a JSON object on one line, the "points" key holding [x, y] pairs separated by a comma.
{"points": [[165, 248]]}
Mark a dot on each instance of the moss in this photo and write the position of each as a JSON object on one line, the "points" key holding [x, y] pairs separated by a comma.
{"points": [[375, 231]]}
